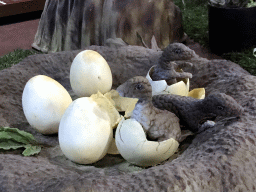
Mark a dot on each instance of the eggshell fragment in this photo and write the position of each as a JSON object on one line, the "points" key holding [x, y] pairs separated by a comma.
{"points": [[133, 145], [85, 131], [125, 104], [198, 93], [90, 73], [106, 105], [44, 101], [179, 88], [161, 87], [113, 148]]}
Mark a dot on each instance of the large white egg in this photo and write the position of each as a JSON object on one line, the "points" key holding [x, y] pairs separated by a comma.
{"points": [[44, 101], [90, 73], [85, 131], [133, 145]]}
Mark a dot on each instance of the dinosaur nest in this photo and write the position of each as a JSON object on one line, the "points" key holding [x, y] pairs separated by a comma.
{"points": [[219, 159]]}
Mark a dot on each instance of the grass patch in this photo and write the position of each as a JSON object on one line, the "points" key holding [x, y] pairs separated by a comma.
{"points": [[245, 59], [195, 23], [15, 57], [195, 20]]}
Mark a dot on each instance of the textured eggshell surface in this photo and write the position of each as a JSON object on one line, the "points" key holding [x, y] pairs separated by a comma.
{"points": [[90, 73], [122, 104], [107, 106], [85, 133], [198, 93], [179, 88], [161, 86], [44, 101], [133, 145]]}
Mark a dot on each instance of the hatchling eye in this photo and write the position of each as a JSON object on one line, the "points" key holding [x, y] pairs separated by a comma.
{"points": [[220, 108], [177, 50], [139, 87]]}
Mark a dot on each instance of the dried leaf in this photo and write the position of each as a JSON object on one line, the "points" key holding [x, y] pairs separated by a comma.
{"points": [[154, 45], [141, 40]]}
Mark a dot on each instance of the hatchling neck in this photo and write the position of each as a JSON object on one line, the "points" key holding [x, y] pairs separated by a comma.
{"points": [[165, 65], [190, 110], [145, 100], [142, 107]]}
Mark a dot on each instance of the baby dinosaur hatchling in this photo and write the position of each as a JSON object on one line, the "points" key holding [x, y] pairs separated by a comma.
{"points": [[194, 112], [169, 70], [158, 124]]}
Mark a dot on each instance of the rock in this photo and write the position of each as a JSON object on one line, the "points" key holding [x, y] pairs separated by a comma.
{"points": [[76, 24], [222, 158]]}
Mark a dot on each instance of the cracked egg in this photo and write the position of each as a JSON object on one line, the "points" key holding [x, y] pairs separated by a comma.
{"points": [[179, 88], [134, 147], [86, 129], [161, 86]]}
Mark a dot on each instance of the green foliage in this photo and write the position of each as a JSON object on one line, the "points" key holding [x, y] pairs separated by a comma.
{"points": [[13, 138], [229, 3], [31, 150], [15, 57], [195, 22], [251, 4], [245, 59]]}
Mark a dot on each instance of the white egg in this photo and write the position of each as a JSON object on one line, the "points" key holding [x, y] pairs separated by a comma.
{"points": [[161, 86], [90, 73], [85, 131], [133, 145], [44, 101]]}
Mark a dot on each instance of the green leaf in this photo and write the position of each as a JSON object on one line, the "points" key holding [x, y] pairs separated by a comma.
{"points": [[9, 144], [31, 150], [16, 135], [4, 135], [13, 138]]}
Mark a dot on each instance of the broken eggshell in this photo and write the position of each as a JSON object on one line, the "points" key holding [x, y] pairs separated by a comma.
{"points": [[161, 87], [113, 148], [122, 104], [106, 105], [134, 147], [198, 93]]}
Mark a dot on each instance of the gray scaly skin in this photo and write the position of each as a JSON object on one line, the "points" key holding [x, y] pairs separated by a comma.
{"points": [[193, 112], [158, 124], [169, 70]]}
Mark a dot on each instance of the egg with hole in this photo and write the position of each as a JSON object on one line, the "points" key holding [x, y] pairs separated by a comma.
{"points": [[44, 101], [85, 131], [134, 147], [161, 86], [90, 73]]}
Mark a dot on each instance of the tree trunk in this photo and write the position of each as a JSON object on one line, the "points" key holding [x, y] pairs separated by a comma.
{"points": [[75, 24]]}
